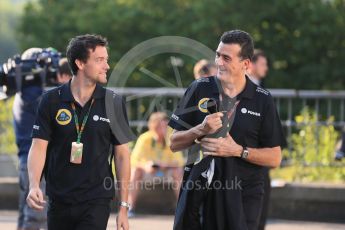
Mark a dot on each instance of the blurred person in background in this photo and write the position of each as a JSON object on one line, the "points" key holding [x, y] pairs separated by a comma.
{"points": [[64, 73], [258, 67], [24, 109], [339, 155], [152, 155], [257, 71], [204, 68]]}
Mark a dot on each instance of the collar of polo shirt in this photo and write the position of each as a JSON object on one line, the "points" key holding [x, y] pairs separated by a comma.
{"points": [[66, 93], [248, 91]]}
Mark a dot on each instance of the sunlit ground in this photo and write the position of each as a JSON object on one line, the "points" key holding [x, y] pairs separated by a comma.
{"points": [[148, 222]]}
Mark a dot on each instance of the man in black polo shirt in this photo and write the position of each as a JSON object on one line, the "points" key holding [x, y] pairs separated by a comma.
{"points": [[73, 141], [235, 143]]}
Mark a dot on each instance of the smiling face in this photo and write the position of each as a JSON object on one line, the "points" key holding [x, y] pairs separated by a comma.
{"points": [[229, 63], [96, 66]]}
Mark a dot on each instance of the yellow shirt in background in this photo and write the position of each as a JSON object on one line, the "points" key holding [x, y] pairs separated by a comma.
{"points": [[147, 149]]}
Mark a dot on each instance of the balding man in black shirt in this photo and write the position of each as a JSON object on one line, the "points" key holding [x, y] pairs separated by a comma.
{"points": [[235, 143]]}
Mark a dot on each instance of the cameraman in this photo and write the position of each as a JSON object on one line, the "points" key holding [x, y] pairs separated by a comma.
{"points": [[64, 72], [24, 109]]}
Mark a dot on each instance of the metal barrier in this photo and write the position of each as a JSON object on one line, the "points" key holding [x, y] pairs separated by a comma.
{"points": [[289, 103], [141, 102]]}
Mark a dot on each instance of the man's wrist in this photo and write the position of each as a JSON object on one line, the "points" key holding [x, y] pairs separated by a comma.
{"points": [[34, 185], [124, 205], [245, 153], [123, 209], [238, 152], [201, 129], [200, 132]]}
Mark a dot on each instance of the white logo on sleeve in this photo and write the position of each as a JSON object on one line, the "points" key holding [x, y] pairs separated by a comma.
{"points": [[261, 90], [98, 118], [175, 117], [36, 127], [244, 110]]}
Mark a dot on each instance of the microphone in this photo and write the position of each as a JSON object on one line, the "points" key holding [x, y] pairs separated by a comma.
{"points": [[211, 106]]}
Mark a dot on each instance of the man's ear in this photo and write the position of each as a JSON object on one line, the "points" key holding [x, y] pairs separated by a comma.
{"points": [[79, 63], [249, 66], [246, 63]]}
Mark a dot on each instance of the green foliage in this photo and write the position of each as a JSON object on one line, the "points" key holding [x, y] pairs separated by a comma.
{"points": [[7, 138], [305, 40], [297, 173], [313, 143], [313, 151], [9, 16]]}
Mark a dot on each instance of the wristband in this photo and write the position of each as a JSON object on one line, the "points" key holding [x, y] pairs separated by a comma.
{"points": [[124, 204]]}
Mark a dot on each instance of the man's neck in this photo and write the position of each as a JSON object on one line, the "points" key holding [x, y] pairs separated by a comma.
{"points": [[158, 138], [253, 75], [256, 81], [82, 89], [234, 86]]}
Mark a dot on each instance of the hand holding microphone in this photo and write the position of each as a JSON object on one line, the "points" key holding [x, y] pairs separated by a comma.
{"points": [[212, 122]]}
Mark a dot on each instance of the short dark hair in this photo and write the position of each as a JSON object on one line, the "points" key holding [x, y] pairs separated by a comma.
{"points": [[258, 53], [79, 48], [241, 38], [203, 68], [64, 67]]}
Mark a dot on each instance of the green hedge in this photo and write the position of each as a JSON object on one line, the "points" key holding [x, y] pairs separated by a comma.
{"points": [[312, 156], [7, 138]]}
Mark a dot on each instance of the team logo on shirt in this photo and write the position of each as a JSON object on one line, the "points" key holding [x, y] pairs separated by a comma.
{"points": [[63, 117], [244, 111], [98, 118], [202, 105]]}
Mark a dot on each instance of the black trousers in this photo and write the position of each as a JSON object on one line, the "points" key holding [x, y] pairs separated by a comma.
{"points": [[89, 215], [196, 212], [193, 217], [266, 199]]}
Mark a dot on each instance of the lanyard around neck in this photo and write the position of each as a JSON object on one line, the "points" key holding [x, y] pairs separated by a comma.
{"points": [[80, 128]]}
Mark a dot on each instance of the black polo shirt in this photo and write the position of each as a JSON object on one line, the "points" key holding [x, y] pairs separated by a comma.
{"points": [[93, 178], [256, 123]]}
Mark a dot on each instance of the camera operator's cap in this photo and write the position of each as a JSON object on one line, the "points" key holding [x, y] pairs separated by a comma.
{"points": [[51, 49], [32, 53]]}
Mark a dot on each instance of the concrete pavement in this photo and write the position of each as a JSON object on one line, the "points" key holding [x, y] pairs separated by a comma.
{"points": [[154, 222]]}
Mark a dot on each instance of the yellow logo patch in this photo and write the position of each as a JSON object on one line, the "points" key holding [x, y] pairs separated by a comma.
{"points": [[202, 105], [63, 117]]}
